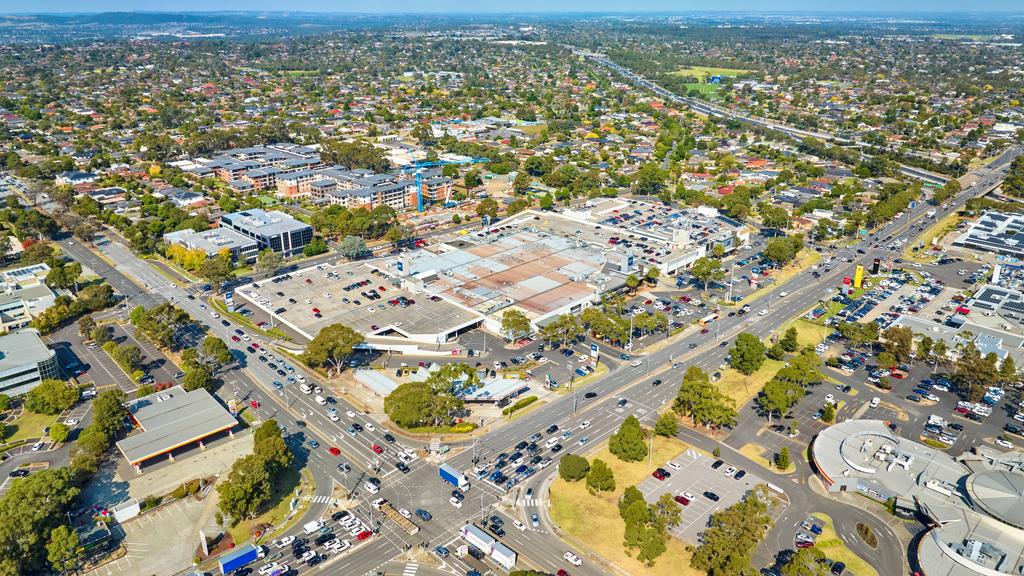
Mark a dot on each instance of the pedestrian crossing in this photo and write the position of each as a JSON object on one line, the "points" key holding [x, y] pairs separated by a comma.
{"points": [[321, 499], [533, 501], [410, 569]]}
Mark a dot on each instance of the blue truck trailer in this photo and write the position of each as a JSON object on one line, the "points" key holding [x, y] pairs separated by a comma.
{"points": [[239, 557], [453, 477]]}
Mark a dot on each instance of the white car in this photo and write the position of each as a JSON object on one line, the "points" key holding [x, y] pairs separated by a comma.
{"points": [[830, 399], [268, 568], [585, 424], [369, 427], [327, 294], [350, 414], [875, 401], [763, 312], [71, 422], [1004, 443], [572, 559], [730, 471], [519, 525], [674, 465], [215, 314], [1019, 416], [283, 542], [455, 502], [333, 417], [404, 512], [783, 294]]}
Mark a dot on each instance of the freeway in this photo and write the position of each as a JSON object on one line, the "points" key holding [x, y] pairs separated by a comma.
{"points": [[253, 381], [717, 111]]}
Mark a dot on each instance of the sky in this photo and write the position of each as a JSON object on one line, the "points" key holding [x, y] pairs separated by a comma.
{"points": [[520, 6]]}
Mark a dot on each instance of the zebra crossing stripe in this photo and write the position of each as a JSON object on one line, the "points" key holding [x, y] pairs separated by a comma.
{"points": [[410, 569], [321, 499]]}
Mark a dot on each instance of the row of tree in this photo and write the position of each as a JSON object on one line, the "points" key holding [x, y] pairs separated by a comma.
{"points": [[253, 478], [433, 401]]}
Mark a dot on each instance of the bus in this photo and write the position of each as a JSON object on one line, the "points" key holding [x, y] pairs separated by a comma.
{"points": [[708, 319]]}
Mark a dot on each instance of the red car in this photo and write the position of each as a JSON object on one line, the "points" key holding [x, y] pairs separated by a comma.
{"points": [[682, 500], [377, 449], [316, 310], [659, 475], [562, 573], [334, 451], [363, 535], [804, 544], [255, 345], [704, 331], [236, 339], [960, 410]]}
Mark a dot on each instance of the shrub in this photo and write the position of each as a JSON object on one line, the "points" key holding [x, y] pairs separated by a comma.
{"points": [[137, 375], [572, 467], [519, 405]]}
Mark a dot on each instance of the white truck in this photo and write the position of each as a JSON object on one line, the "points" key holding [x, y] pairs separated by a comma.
{"points": [[311, 527], [930, 213]]}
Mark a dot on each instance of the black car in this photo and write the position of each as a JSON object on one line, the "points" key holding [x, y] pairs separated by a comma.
{"points": [[536, 459], [314, 560], [298, 551], [20, 473], [913, 398], [357, 427], [1011, 428], [838, 568], [522, 445], [496, 520], [552, 429], [740, 474], [556, 448], [321, 539], [691, 345], [711, 496], [532, 447], [402, 467], [458, 495], [423, 514], [656, 382], [389, 438], [496, 530], [225, 323], [956, 426], [590, 395], [717, 464], [622, 402]]}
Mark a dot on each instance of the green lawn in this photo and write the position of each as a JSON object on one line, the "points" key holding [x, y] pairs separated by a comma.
{"points": [[808, 333], [28, 425], [702, 72], [742, 388], [593, 519]]}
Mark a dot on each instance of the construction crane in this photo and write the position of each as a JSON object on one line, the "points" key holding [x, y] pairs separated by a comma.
{"points": [[419, 167]]}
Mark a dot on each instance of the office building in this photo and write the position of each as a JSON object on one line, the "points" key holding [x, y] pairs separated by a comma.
{"points": [[275, 230], [25, 361]]}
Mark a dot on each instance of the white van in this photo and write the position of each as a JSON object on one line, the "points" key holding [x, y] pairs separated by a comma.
{"points": [[305, 388], [551, 441], [321, 400], [371, 487], [311, 527]]}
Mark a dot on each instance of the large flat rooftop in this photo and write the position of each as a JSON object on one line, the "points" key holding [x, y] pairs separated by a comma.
{"points": [[323, 288]]}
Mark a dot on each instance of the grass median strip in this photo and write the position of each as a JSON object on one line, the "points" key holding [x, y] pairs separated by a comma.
{"points": [[833, 547]]}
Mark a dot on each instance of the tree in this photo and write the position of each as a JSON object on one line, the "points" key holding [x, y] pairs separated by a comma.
{"points": [[409, 405], [707, 270], [59, 432], [315, 247], [782, 460], [85, 326], [354, 155], [268, 261], [632, 282], [63, 548], [109, 411], [36, 253], [93, 440], [472, 179], [487, 207], [332, 345], [732, 534], [29, 510], [197, 377], [628, 443], [600, 478], [828, 412], [886, 359], [51, 397], [783, 250], [667, 425], [806, 562], [547, 202], [702, 401], [789, 341], [630, 495], [128, 356], [247, 487], [521, 182], [776, 352], [270, 446], [101, 335], [214, 354], [353, 248], [217, 270], [514, 324], [1008, 371], [747, 355], [898, 340], [776, 218], [778, 396], [573, 468], [649, 179]]}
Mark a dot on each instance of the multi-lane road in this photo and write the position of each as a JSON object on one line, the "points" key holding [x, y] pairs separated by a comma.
{"points": [[421, 488]]}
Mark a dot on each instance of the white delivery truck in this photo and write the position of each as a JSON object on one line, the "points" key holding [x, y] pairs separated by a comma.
{"points": [[311, 527]]}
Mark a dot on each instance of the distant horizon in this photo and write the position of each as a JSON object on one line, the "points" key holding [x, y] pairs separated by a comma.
{"points": [[526, 7]]}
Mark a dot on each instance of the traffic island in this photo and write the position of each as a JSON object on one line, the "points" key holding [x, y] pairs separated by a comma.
{"points": [[833, 547]]}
